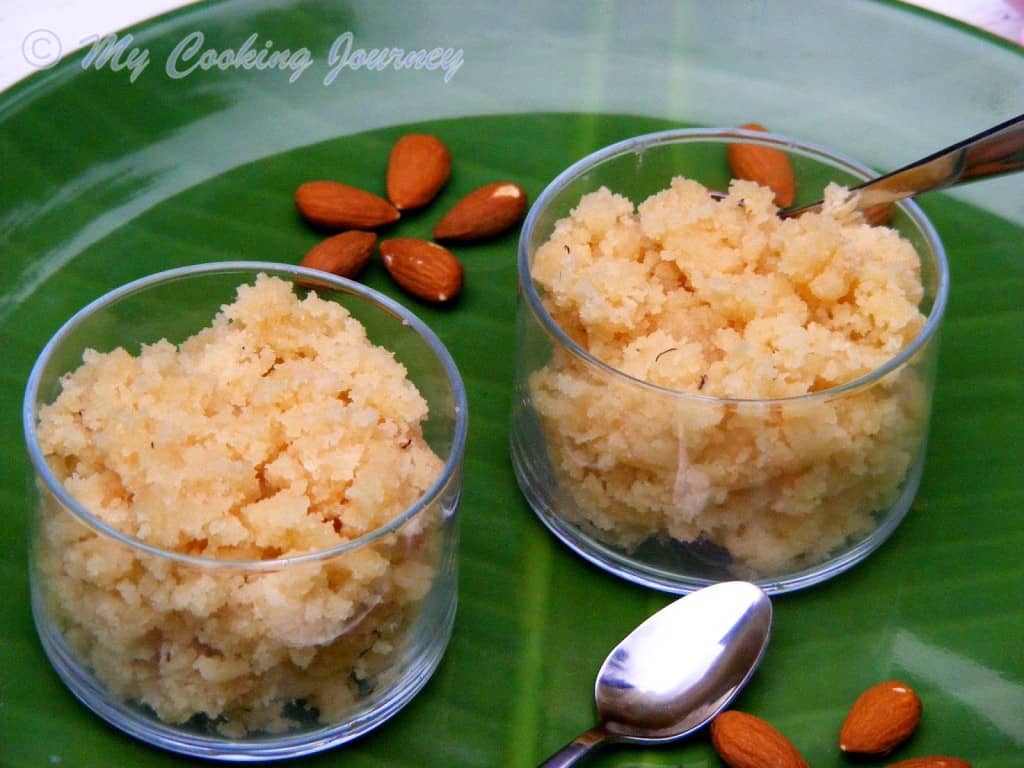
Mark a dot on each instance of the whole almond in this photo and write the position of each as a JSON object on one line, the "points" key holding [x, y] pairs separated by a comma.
{"points": [[419, 165], [345, 254], [483, 213], [745, 741], [881, 719], [767, 166], [932, 761], [424, 269], [333, 205]]}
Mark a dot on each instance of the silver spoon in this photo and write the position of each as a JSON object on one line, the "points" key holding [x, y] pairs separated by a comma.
{"points": [[998, 150], [677, 670]]}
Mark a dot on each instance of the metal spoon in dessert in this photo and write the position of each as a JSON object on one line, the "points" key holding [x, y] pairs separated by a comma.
{"points": [[998, 150]]}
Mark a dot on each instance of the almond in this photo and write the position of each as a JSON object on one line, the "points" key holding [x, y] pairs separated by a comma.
{"points": [[878, 214], [333, 205], [418, 167], [424, 269], [767, 166], [483, 213], [932, 761], [345, 254], [881, 719], [745, 741]]}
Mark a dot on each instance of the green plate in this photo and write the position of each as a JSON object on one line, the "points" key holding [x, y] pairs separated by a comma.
{"points": [[104, 179]]}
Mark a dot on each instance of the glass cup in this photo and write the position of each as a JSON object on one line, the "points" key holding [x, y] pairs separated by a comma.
{"points": [[676, 489], [239, 657]]}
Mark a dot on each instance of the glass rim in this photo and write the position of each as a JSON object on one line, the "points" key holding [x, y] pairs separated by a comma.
{"points": [[384, 303], [637, 145]]}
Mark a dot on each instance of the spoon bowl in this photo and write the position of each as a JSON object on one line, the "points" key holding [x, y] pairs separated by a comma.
{"points": [[677, 670]]}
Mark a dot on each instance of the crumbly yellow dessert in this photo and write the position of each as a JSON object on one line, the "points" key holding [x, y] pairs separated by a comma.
{"points": [[279, 430], [725, 300]]}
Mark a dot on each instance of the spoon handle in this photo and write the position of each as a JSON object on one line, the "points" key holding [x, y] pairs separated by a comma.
{"points": [[575, 749], [998, 150]]}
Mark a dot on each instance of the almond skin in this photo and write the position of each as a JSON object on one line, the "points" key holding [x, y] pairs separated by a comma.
{"points": [[345, 255], [932, 761], [745, 741], [425, 269], [483, 213], [767, 166], [418, 167], [333, 205], [882, 718]]}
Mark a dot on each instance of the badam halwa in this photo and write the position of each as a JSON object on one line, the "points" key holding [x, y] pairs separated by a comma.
{"points": [[724, 303], [279, 430]]}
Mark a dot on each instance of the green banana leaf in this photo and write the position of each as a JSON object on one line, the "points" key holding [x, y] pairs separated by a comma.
{"points": [[105, 178]]}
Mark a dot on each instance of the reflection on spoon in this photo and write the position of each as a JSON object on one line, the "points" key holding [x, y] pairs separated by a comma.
{"points": [[678, 669]]}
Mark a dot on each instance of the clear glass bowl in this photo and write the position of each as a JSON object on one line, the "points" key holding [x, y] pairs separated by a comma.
{"points": [[239, 659], [650, 483]]}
